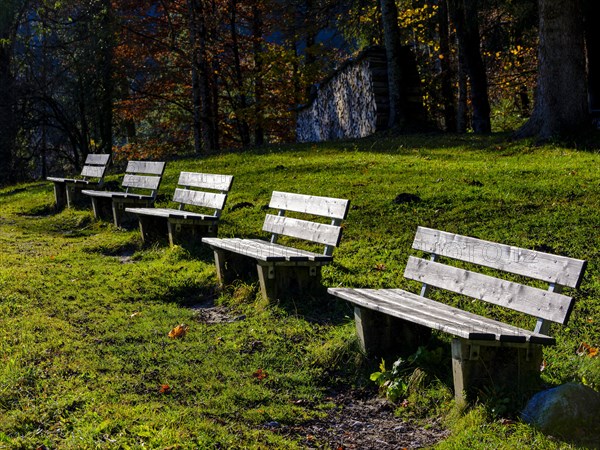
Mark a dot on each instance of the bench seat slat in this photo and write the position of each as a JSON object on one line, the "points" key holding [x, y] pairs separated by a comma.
{"points": [[70, 180], [116, 195], [168, 213], [334, 208], [526, 299], [295, 251], [438, 316], [321, 233], [264, 251], [534, 264]]}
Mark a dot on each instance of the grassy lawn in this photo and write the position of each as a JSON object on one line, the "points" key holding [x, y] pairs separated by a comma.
{"points": [[85, 309]]}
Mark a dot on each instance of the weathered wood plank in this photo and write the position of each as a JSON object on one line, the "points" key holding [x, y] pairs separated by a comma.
{"points": [[216, 182], [200, 198], [99, 159], [265, 251], [146, 167], [141, 182], [303, 229], [116, 195], [93, 171], [296, 251], [168, 213], [244, 248], [408, 306], [334, 208], [526, 299], [542, 266]]}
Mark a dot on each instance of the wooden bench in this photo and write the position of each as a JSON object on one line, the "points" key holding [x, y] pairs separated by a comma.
{"points": [[187, 224], [282, 268], [483, 348], [141, 182], [92, 176]]}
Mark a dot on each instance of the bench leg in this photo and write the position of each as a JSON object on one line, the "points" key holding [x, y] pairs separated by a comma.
{"points": [[118, 209], [101, 207], [276, 281], [382, 335], [152, 228], [231, 266], [60, 195], [73, 195], [179, 231], [476, 365]]}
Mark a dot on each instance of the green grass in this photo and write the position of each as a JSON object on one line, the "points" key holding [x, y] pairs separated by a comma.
{"points": [[85, 309]]}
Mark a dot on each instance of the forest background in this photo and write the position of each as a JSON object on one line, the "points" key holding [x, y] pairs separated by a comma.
{"points": [[148, 80]]}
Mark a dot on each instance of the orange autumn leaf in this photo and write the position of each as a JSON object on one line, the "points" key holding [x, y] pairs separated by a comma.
{"points": [[585, 349], [260, 374], [164, 389], [178, 331]]}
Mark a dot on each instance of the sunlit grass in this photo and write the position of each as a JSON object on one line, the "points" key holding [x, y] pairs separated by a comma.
{"points": [[85, 308]]}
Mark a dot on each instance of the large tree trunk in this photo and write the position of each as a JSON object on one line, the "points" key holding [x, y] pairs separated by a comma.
{"points": [[105, 113], [7, 115], [389, 15], [447, 92], [257, 32], [560, 103], [464, 16], [241, 101], [204, 117]]}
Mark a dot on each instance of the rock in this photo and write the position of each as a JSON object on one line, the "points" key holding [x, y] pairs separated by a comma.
{"points": [[570, 411]]}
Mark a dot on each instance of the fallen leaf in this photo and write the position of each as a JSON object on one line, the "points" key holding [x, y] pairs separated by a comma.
{"points": [[164, 389], [260, 374], [585, 349], [179, 331], [543, 365], [134, 314]]}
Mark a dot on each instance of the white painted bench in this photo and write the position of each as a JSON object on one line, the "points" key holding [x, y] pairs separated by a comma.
{"points": [[182, 223], [282, 268], [91, 177], [141, 182], [482, 348]]}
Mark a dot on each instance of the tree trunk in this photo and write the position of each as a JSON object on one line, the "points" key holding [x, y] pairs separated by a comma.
{"points": [[592, 47], [242, 103], [257, 31], [464, 16], [389, 15], [105, 112], [560, 103], [204, 118], [7, 115], [447, 92]]}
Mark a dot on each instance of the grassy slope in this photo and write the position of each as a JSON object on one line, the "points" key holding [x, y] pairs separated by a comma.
{"points": [[83, 336]]}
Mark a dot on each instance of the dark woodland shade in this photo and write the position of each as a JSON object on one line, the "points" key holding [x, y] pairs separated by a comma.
{"points": [[353, 101]]}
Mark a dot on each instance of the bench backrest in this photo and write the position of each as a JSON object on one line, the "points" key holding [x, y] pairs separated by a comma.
{"points": [[327, 234], [95, 166], [213, 200], [546, 305], [143, 175]]}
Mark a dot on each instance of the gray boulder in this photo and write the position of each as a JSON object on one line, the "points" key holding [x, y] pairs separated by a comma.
{"points": [[570, 411]]}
